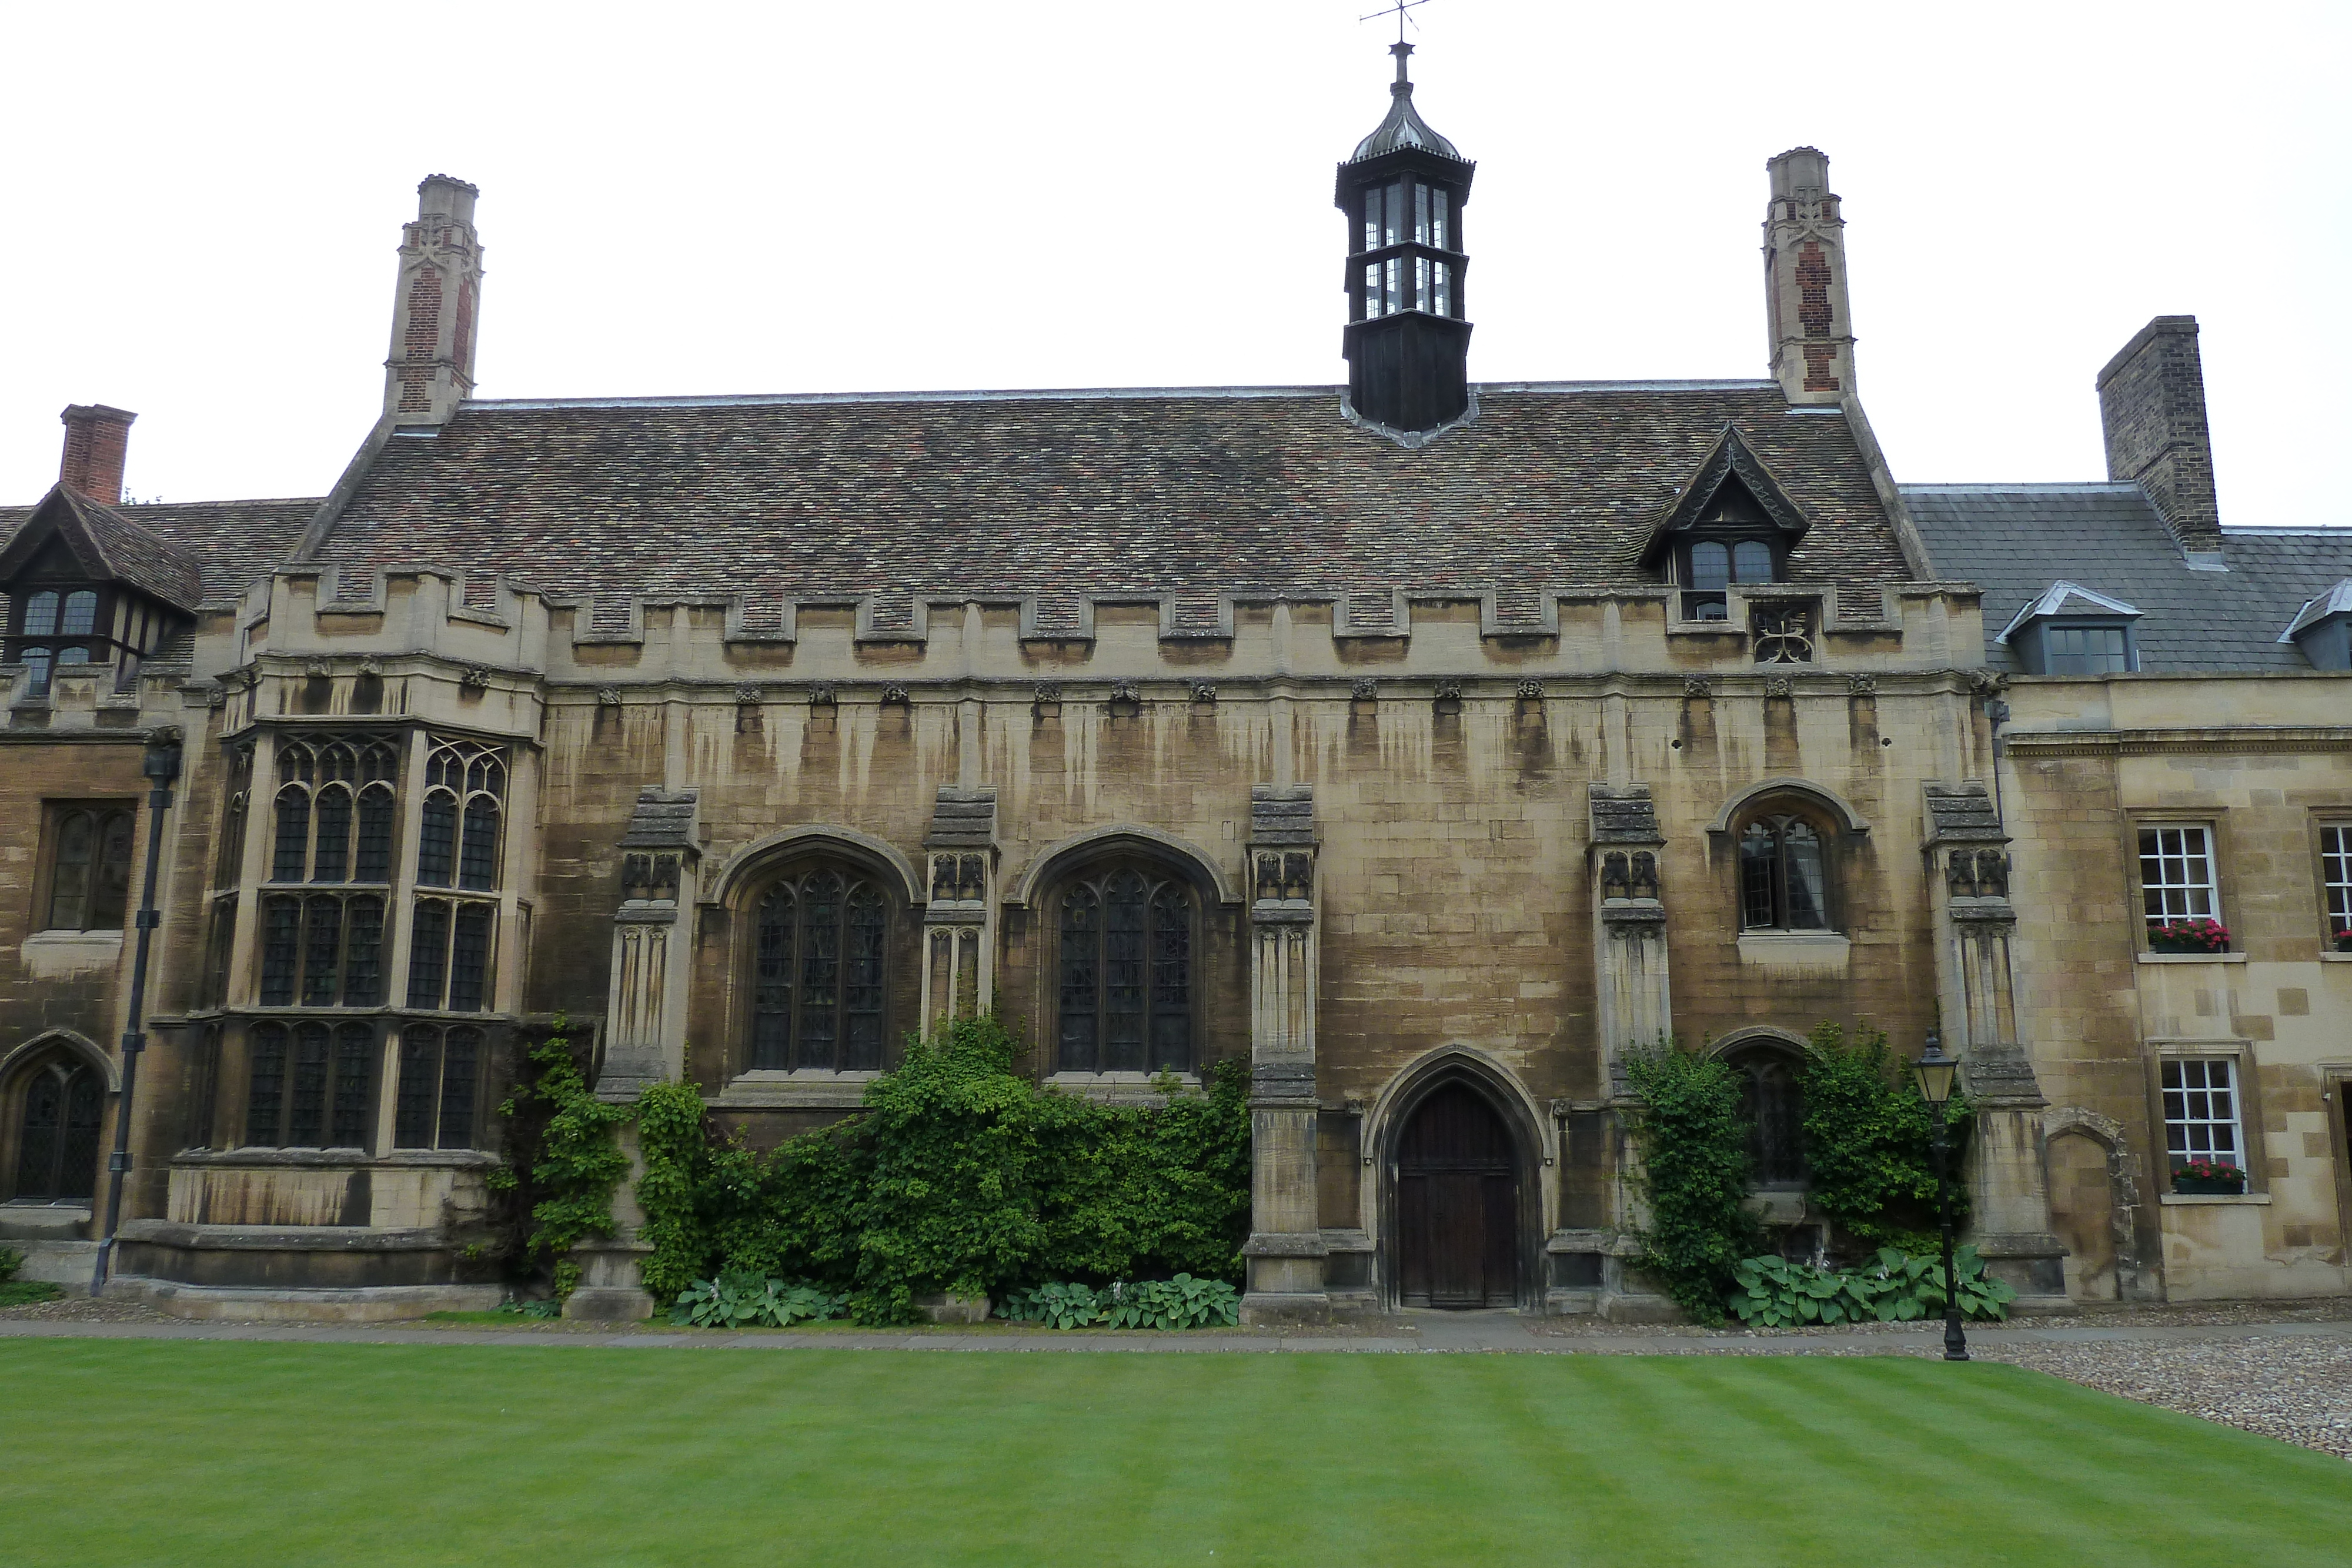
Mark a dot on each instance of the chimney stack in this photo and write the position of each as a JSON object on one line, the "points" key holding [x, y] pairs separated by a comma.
{"points": [[97, 439], [431, 370], [1811, 327], [2152, 404]]}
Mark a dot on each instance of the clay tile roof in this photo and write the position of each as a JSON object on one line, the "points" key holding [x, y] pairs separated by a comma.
{"points": [[1190, 495], [185, 553]]}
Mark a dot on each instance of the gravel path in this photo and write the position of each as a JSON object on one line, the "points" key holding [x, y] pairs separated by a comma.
{"points": [[2295, 1388]]}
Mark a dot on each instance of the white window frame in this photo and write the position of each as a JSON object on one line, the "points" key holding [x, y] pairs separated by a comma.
{"points": [[2178, 896], [2335, 876], [2186, 1082]]}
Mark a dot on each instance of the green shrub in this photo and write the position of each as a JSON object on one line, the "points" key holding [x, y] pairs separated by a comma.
{"points": [[1769, 1292], [959, 1177], [26, 1292], [564, 1161], [1867, 1134], [11, 1259], [735, 1300], [1183, 1302], [1694, 1175]]}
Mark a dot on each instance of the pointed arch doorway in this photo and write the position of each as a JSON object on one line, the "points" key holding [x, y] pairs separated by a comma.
{"points": [[1457, 1192]]}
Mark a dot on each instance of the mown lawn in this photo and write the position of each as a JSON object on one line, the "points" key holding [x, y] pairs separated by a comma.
{"points": [[121, 1452]]}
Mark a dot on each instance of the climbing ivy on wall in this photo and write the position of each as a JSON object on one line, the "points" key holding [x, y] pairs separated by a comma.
{"points": [[564, 1160], [1867, 1149], [959, 1176], [1694, 1175], [1868, 1161]]}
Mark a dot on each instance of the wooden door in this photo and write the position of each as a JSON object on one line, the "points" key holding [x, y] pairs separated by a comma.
{"points": [[1457, 1205]]}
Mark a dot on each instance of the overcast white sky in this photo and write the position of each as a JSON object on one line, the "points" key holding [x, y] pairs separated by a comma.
{"points": [[789, 197]]}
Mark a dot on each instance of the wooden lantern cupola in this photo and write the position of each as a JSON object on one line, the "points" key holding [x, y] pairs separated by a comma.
{"points": [[1407, 342]]}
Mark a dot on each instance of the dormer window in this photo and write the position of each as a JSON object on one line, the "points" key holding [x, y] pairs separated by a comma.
{"points": [[54, 627], [2073, 631], [1731, 526]]}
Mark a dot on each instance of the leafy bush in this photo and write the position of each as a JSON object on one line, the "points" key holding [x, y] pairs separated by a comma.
{"points": [[735, 1300], [1867, 1144], [1183, 1302], [11, 1259], [564, 1161], [1059, 1306], [1694, 1175], [959, 1177], [1897, 1287], [25, 1292]]}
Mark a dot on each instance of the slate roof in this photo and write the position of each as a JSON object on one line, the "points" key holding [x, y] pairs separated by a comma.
{"points": [[186, 552], [1052, 496], [2014, 541]]}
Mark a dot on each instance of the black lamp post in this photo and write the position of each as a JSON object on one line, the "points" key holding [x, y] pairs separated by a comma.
{"points": [[161, 766], [1934, 1071]]}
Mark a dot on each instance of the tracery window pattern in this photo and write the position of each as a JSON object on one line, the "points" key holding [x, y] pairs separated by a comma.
{"points": [[56, 1142], [1783, 875], [335, 804], [323, 950], [1126, 981], [458, 837], [821, 948], [89, 872], [440, 1087], [308, 1085]]}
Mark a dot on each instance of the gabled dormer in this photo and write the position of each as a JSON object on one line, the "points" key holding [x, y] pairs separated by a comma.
{"points": [[2070, 630], [2323, 628], [85, 586], [1732, 524]]}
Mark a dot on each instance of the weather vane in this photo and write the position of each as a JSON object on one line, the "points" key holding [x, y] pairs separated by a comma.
{"points": [[1400, 7]]}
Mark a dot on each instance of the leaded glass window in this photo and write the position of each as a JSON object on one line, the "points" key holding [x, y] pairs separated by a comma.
{"points": [[308, 1085], [464, 783], [89, 868], [440, 1086], [451, 950], [56, 1137], [1125, 985], [819, 953], [323, 951], [1772, 1105], [1783, 875], [324, 785]]}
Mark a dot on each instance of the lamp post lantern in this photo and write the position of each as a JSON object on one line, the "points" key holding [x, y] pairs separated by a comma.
{"points": [[1935, 1073]]}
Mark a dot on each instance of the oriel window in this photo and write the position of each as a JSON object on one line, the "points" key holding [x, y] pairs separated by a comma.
{"points": [[436, 1103], [309, 1085]]}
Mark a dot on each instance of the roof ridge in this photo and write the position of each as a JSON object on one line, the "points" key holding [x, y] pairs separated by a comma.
{"points": [[1050, 395]]}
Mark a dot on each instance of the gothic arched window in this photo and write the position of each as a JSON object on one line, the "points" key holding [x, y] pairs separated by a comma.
{"points": [[1783, 875], [820, 962], [1772, 1104], [56, 1133], [334, 798], [308, 1085], [1126, 973]]}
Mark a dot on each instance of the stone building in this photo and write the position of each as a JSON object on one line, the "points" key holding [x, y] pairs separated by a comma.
{"points": [[1425, 743]]}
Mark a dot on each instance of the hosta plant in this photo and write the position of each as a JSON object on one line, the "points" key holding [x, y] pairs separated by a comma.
{"points": [[1183, 1302], [1894, 1287], [735, 1300], [1060, 1306]]}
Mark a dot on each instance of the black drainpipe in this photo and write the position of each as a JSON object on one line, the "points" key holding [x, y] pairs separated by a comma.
{"points": [[161, 767]]}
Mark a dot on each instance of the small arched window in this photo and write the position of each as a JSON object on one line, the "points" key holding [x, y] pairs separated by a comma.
{"points": [[57, 1134], [464, 784], [1772, 1104], [821, 953], [1783, 875], [41, 614], [1126, 982], [90, 876]]}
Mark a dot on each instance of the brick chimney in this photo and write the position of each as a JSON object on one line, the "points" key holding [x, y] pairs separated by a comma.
{"points": [[1811, 327], [2152, 404], [97, 439], [431, 370]]}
